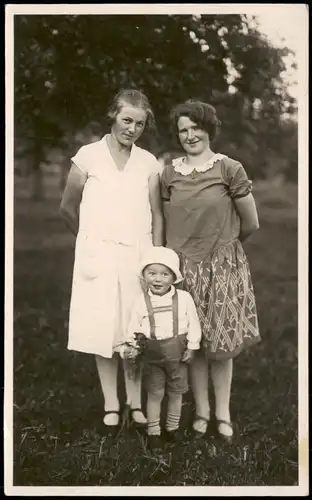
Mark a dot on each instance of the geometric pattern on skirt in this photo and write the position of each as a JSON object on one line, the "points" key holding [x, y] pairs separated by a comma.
{"points": [[224, 296]]}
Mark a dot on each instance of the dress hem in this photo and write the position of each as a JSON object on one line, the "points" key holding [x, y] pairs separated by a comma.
{"points": [[85, 351], [217, 356]]}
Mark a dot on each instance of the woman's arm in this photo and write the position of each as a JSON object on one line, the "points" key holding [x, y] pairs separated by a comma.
{"points": [[247, 211], [165, 207], [156, 208], [71, 198]]}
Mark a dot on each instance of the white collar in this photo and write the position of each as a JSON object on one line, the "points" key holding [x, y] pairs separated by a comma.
{"points": [[168, 294], [185, 169]]}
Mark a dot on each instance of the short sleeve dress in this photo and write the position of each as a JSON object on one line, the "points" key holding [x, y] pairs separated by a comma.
{"points": [[115, 229], [203, 226]]}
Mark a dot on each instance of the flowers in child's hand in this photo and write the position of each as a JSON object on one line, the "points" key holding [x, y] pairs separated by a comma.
{"points": [[133, 354], [130, 352]]}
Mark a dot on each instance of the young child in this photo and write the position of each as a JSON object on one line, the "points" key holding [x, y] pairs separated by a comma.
{"points": [[164, 328]]}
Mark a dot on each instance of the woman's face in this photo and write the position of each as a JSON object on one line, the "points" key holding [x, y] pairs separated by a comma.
{"points": [[129, 124], [194, 139]]}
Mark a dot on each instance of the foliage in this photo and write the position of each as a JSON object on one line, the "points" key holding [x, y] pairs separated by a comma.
{"points": [[67, 67]]}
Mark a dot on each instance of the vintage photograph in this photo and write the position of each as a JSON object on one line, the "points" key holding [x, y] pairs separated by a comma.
{"points": [[153, 334]]}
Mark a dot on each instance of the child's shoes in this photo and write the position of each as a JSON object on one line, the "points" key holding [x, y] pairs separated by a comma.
{"points": [[174, 436], [154, 443]]}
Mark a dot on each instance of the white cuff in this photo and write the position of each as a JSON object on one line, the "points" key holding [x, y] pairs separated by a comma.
{"points": [[194, 346], [121, 350]]}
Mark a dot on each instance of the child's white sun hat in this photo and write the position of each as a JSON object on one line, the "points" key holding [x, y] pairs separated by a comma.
{"points": [[165, 256]]}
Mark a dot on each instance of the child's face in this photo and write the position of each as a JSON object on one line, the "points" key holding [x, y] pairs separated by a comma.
{"points": [[158, 278]]}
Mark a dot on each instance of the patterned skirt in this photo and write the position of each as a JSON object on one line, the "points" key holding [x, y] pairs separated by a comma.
{"points": [[224, 297]]}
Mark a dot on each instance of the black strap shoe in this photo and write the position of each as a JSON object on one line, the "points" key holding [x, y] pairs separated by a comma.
{"points": [[111, 430]]}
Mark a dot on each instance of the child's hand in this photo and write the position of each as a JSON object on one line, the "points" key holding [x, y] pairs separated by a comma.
{"points": [[188, 355]]}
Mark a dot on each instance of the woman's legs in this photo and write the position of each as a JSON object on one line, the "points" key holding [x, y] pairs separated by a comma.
{"points": [[199, 380], [133, 384], [129, 288], [221, 374], [108, 370]]}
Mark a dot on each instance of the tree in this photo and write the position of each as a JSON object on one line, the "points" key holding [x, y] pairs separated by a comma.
{"points": [[67, 67]]}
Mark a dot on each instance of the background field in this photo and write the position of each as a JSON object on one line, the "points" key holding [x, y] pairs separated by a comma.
{"points": [[57, 398]]}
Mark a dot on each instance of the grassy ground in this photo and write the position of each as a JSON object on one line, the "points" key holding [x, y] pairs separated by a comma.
{"points": [[57, 399]]}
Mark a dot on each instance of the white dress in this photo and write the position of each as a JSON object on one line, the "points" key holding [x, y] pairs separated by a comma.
{"points": [[115, 228]]}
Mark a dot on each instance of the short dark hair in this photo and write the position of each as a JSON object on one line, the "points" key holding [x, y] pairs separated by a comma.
{"points": [[135, 98], [201, 113]]}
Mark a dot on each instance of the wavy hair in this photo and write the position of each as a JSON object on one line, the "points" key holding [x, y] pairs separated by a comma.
{"points": [[201, 113]]}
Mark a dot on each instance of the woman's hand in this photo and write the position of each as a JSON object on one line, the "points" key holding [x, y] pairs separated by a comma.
{"points": [[71, 198], [188, 355], [247, 211]]}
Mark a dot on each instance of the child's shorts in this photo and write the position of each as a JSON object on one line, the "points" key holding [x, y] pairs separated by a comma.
{"points": [[164, 367]]}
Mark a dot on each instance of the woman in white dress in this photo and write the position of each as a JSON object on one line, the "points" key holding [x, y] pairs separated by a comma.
{"points": [[111, 202]]}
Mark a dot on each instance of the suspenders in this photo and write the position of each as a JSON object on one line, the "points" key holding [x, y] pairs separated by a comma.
{"points": [[175, 314]]}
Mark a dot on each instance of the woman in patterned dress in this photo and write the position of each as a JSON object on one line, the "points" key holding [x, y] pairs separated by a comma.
{"points": [[209, 210], [112, 204]]}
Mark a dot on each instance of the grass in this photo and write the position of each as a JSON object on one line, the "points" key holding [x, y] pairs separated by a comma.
{"points": [[58, 403]]}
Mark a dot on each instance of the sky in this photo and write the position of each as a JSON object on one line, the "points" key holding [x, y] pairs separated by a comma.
{"points": [[282, 25], [285, 25]]}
